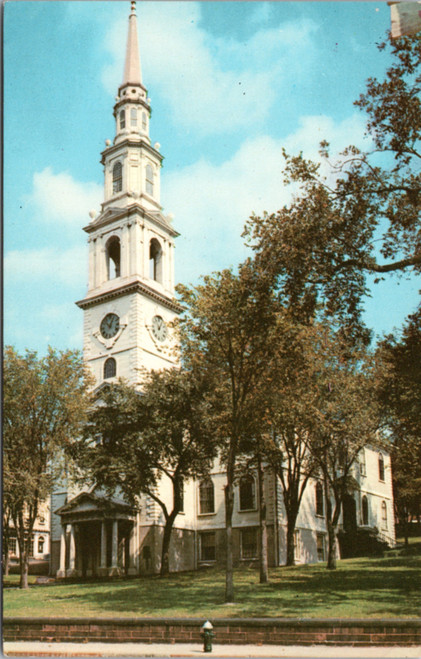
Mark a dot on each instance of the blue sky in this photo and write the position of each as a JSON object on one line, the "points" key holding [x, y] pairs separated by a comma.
{"points": [[231, 83]]}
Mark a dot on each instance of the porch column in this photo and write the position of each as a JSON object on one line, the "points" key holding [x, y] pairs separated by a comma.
{"points": [[72, 556], [114, 545], [103, 545], [62, 568]]}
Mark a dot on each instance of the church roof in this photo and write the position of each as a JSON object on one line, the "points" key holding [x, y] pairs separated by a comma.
{"points": [[114, 212], [90, 502]]}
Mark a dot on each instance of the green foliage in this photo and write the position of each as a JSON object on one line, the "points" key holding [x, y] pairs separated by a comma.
{"points": [[363, 217], [44, 407]]}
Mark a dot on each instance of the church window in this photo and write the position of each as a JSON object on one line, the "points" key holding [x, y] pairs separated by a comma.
{"points": [[113, 258], [110, 368], [363, 468], [364, 510], [321, 547], [41, 542], [117, 178], [206, 497], [207, 546], [122, 119], [381, 468], [149, 179], [144, 121], [384, 515], [31, 547], [319, 500], [247, 493], [248, 543], [297, 545], [133, 117], [12, 546], [155, 260]]}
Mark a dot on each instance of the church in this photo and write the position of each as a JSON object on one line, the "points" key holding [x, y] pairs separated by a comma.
{"points": [[128, 310]]}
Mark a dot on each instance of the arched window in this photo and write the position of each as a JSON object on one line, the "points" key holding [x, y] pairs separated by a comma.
{"points": [[122, 119], [206, 497], [319, 500], [117, 178], [113, 257], [363, 467], [144, 121], [384, 515], [133, 117], [247, 493], [364, 510], [381, 467], [155, 260], [110, 368], [41, 542], [149, 179]]}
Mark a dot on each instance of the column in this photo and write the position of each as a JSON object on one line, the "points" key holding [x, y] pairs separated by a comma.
{"points": [[72, 553], [103, 563], [62, 569], [114, 545]]}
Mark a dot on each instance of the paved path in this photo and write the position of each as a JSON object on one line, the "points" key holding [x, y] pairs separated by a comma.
{"points": [[38, 649]]}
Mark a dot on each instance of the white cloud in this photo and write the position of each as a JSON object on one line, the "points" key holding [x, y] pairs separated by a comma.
{"points": [[188, 67], [68, 266], [211, 203], [61, 199]]}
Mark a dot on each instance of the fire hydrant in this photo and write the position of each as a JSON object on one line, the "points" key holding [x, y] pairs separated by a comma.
{"points": [[207, 635]]}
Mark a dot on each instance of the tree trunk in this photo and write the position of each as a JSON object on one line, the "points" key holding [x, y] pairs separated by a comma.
{"points": [[24, 568], [229, 506], [331, 550], [6, 563], [264, 572], [165, 557], [290, 542]]}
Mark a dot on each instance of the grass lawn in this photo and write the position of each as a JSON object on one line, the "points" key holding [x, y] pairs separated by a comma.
{"points": [[360, 587]]}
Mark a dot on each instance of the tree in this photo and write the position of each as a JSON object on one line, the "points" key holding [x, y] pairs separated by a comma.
{"points": [[160, 432], [362, 219], [226, 333], [44, 407], [290, 416], [399, 389], [346, 420]]}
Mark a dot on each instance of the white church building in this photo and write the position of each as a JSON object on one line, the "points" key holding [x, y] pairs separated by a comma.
{"points": [[128, 310]]}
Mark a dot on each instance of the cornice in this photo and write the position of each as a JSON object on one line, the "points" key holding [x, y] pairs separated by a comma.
{"points": [[130, 142], [128, 289], [128, 212]]}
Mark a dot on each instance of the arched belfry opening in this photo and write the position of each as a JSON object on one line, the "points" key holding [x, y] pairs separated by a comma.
{"points": [[113, 257], [155, 260]]}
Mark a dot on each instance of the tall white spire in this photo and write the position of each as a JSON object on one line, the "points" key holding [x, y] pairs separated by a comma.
{"points": [[132, 73]]}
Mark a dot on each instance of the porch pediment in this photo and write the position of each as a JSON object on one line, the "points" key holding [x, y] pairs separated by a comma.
{"points": [[88, 504]]}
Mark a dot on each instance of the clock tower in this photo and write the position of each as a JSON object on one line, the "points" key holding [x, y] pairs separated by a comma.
{"points": [[130, 304]]}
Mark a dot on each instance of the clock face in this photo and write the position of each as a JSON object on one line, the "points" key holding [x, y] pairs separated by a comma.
{"points": [[110, 325], [159, 328]]}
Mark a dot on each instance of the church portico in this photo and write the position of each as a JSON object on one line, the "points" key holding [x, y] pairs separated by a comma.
{"points": [[98, 537]]}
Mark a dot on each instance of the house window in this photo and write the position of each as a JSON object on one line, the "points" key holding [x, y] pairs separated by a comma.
{"points": [[297, 545], [247, 493], [41, 542], [384, 515], [207, 546], [248, 538], [110, 368], [133, 117], [206, 497], [113, 258], [155, 260], [144, 121], [117, 177], [149, 179], [320, 541], [12, 546], [122, 119], [319, 500], [364, 510], [381, 468], [363, 468]]}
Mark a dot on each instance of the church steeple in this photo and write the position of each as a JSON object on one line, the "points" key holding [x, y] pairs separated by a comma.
{"points": [[132, 70]]}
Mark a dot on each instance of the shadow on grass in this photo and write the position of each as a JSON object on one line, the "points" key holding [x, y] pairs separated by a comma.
{"points": [[358, 588]]}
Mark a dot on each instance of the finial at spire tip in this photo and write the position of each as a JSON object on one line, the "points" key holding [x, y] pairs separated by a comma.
{"points": [[133, 6]]}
